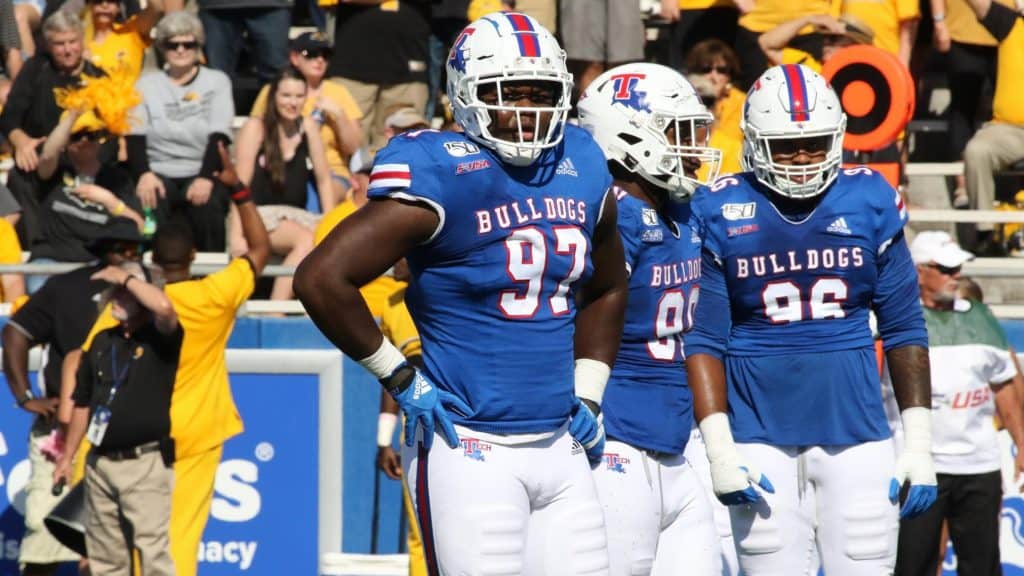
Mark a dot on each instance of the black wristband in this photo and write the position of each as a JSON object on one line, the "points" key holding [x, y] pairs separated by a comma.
{"points": [[399, 380], [240, 194], [126, 280], [594, 407], [28, 395]]}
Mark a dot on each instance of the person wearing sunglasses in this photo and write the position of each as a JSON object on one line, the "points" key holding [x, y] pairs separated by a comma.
{"points": [[712, 67], [186, 109], [330, 103], [971, 371], [113, 41], [83, 189]]}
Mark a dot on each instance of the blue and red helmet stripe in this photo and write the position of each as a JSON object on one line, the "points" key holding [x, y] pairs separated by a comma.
{"points": [[797, 93], [529, 46]]}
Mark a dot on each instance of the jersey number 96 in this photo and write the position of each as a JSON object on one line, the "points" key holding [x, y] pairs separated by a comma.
{"points": [[784, 301]]}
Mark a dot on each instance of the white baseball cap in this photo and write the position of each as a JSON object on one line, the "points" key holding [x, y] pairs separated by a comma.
{"points": [[938, 247]]}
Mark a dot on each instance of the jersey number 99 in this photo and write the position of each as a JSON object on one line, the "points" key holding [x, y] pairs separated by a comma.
{"points": [[527, 250], [675, 316]]}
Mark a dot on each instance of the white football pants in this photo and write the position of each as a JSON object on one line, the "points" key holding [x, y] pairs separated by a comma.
{"points": [[831, 496], [697, 456], [657, 515], [522, 506]]}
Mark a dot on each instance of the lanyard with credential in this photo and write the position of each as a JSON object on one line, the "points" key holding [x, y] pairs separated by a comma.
{"points": [[118, 376]]}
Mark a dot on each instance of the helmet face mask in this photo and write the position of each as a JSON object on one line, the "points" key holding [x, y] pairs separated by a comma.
{"points": [[505, 54], [649, 120], [792, 113]]}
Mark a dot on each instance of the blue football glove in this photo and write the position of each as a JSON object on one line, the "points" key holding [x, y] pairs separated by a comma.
{"points": [[734, 480], [918, 469], [424, 404], [915, 464], [588, 430]]}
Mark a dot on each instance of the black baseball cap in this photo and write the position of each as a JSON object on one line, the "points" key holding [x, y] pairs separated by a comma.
{"points": [[311, 41], [118, 232]]}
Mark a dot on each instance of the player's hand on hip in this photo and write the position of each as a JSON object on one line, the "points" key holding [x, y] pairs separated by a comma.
{"points": [[424, 405], [588, 429], [915, 464], [734, 479]]}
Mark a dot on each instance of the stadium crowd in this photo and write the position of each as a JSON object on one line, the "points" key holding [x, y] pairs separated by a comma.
{"points": [[119, 118]]}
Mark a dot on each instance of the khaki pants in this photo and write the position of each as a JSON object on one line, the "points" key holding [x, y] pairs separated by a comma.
{"points": [[38, 546], [993, 148], [128, 504], [376, 102]]}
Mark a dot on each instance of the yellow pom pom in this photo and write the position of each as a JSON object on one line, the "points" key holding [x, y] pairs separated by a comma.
{"points": [[105, 101]]}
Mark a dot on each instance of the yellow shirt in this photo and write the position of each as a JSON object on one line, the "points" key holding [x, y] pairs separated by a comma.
{"points": [[726, 135], [123, 45], [768, 14], [1006, 104], [10, 249], [335, 93], [203, 412], [794, 56], [963, 25], [375, 293], [704, 4], [884, 18], [397, 325]]}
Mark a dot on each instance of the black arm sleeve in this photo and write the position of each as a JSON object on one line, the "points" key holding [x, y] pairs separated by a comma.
{"points": [[138, 161], [1000, 20], [82, 395], [211, 158]]}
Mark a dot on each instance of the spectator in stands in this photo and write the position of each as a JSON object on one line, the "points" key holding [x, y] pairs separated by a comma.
{"points": [[275, 154], [835, 34], [203, 413], [10, 45], [123, 398], [971, 373], [894, 23], [760, 16], [187, 109], [970, 72], [329, 103], [999, 143], [600, 35], [447, 19], [381, 57], [712, 66], [82, 191], [12, 285], [32, 112], [404, 119], [696, 21], [112, 41], [265, 23], [59, 316]]}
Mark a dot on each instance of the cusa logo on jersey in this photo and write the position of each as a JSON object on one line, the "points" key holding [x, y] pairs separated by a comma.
{"points": [[616, 463]]}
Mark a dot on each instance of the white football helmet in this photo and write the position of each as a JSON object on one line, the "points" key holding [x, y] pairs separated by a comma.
{"points": [[629, 110], [792, 102], [498, 48]]}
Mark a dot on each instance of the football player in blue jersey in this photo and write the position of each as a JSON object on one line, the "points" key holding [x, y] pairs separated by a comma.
{"points": [[654, 131], [518, 293], [781, 360]]}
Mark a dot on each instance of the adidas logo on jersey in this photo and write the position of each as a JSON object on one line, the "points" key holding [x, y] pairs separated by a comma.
{"points": [[566, 168], [838, 226]]}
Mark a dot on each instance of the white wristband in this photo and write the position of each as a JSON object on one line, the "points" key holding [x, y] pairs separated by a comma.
{"points": [[917, 429], [384, 361], [717, 435], [591, 377], [386, 428]]}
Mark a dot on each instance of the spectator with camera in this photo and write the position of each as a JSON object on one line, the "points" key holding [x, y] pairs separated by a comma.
{"points": [[186, 109], [122, 405]]}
